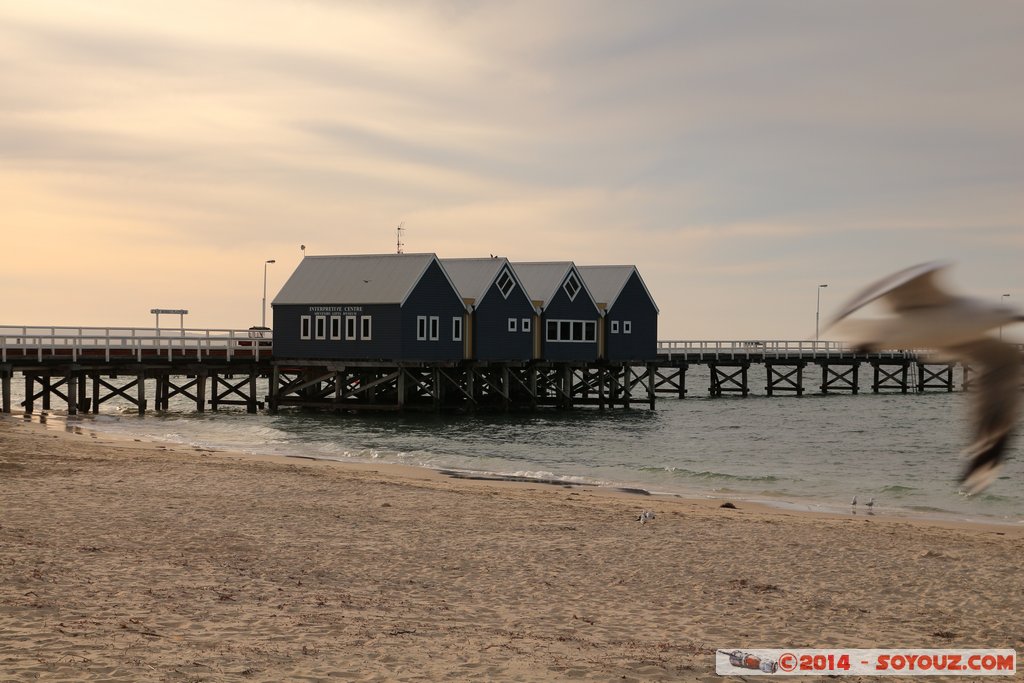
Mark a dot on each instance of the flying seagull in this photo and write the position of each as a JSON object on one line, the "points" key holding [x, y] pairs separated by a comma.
{"points": [[926, 316]]}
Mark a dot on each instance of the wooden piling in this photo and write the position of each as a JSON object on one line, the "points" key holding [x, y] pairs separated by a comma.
{"points": [[141, 391], [5, 379], [251, 402], [44, 380], [72, 393], [30, 393], [201, 377]]}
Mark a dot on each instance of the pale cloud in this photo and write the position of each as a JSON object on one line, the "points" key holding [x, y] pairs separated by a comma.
{"points": [[739, 153]]}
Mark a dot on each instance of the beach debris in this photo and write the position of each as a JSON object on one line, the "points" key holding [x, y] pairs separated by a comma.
{"points": [[645, 516], [926, 316], [728, 506]]}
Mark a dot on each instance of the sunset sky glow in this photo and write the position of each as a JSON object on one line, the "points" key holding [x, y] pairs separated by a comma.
{"points": [[155, 154]]}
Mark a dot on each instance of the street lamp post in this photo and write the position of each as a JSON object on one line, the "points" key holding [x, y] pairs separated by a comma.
{"points": [[1004, 296], [263, 321], [817, 313]]}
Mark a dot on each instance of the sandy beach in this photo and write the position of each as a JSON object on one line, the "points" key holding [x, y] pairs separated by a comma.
{"points": [[129, 561]]}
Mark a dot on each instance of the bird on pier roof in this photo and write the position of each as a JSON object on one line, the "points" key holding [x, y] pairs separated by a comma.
{"points": [[926, 316]]}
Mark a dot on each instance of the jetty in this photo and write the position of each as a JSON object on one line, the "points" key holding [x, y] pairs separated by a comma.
{"points": [[81, 368]]}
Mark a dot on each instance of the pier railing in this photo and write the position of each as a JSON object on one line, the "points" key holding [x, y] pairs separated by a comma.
{"points": [[139, 343], [715, 349]]}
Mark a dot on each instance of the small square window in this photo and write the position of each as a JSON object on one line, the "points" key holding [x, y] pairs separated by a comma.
{"points": [[457, 328], [335, 327], [305, 326], [525, 325], [366, 333], [421, 328], [350, 327], [627, 327], [321, 327], [435, 328], [511, 324], [615, 327]]}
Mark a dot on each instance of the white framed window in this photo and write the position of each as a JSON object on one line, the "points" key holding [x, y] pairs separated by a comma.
{"points": [[305, 327], [512, 324], [421, 328], [350, 327], [627, 327], [457, 328], [572, 286], [321, 327], [366, 328], [525, 325], [435, 328], [335, 327], [615, 327], [506, 283], [572, 330]]}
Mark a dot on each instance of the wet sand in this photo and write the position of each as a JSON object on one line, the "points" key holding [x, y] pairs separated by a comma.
{"points": [[128, 561]]}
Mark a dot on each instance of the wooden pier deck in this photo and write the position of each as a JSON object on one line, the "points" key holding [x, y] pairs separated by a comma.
{"points": [[215, 368]]}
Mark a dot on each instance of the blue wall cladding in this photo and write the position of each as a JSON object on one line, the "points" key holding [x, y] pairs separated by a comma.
{"points": [[493, 340], [383, 328], [635, 307], [432, 297], [562, 308]]}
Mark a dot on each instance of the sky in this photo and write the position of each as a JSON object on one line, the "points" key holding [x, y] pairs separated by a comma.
{"points": [[740, 154]]}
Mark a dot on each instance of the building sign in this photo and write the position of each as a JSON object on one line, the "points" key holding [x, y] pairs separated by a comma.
{"points": [[335, 309]]}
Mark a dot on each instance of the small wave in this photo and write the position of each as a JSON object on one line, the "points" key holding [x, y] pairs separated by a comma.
{"points": [[897, 489], [928, 508], [708, 474]]}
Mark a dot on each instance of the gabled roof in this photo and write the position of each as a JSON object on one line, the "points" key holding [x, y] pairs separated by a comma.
{"points": [[474, 276], [607, 282], [543, 279], [359, 279]]}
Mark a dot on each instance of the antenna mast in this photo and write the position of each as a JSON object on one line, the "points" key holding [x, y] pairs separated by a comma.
{"points": [[398, 231]]}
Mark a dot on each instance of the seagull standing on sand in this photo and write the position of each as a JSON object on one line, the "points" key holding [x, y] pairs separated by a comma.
{"points": [[645, 516], [928, 317], [854, 501], [870, 504]]}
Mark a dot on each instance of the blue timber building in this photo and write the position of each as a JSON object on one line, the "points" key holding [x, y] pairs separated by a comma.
{"points": [[630, 322], [569, 316], [369, 307], [502, 318]]}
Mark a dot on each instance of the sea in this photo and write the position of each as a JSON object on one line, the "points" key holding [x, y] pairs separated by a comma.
{"points": [[813, 452]]}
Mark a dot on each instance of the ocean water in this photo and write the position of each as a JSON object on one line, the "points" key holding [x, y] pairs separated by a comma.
{"points": [[812, 452]]}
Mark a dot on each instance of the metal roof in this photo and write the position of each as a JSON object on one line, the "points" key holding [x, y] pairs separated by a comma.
{"points": [[473, 276], [607, 282], [359, 279]]}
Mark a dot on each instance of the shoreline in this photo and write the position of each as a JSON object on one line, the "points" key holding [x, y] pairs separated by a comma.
{"points": [[760, 501], [130, 560], [643, 497]]}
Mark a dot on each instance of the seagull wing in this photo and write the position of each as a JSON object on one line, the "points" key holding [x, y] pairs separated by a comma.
{"points": [[910, 288], [995, 409]]}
